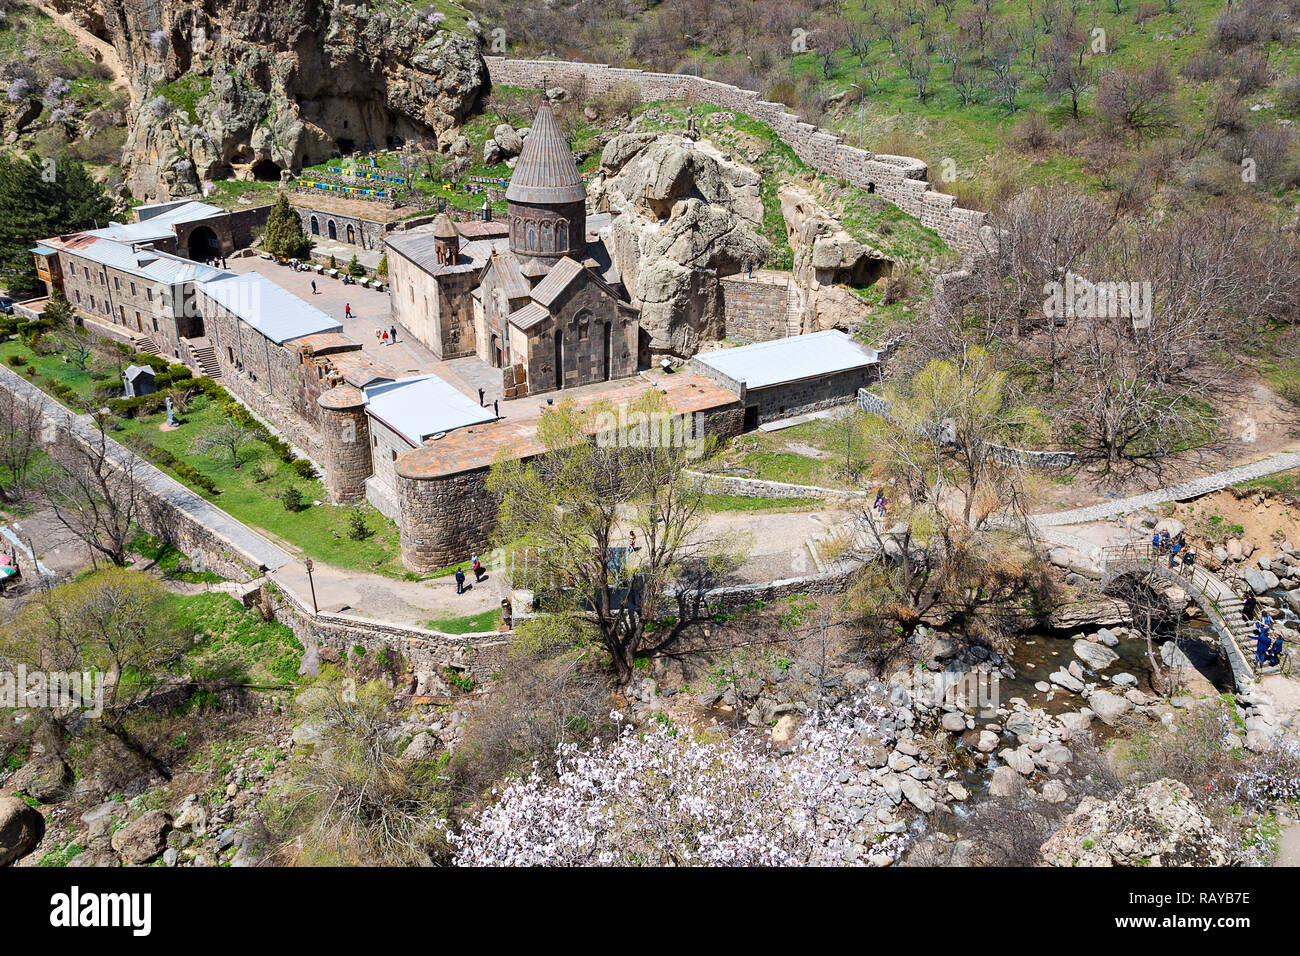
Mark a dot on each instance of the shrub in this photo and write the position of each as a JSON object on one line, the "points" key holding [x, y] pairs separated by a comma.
{"points": [[358, 530], [292, 499], [17, 361], [303, 468]]}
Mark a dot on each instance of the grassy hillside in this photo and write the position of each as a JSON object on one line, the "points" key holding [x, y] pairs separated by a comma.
{"points": [[973, 87]]}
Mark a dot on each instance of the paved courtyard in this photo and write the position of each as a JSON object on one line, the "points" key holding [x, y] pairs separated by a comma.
{"points": [[370, 311]]}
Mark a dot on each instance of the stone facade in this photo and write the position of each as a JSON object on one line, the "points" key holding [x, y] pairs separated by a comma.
{"points": [[436, 307], [789, 399], [324, 224], [899, 179], [755, 310]]}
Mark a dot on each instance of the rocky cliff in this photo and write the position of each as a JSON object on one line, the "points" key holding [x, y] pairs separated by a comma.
{"points": [[684, 217], [251, 88]]}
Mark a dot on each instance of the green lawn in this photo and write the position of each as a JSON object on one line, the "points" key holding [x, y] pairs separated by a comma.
{"points": [[823, 452], [469, 624], [254, 492], [236, 644]]}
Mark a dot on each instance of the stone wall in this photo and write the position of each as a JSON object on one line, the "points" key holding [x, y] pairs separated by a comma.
{"points": [[760, 488], [445, 520], [755, 310], [366, 233], [789, 399], [1025, 458], [899, 179], [345, 432]]}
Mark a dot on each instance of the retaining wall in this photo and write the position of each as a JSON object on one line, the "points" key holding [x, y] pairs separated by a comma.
{"points": [[899, 179]]}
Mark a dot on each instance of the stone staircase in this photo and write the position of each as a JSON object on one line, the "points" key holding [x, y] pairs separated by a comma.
{"points": [[205, 357], [1243, 631], [146, 343], [793, 311]]}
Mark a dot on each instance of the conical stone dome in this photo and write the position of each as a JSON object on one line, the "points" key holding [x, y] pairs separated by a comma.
{"points": [[546, 173]]}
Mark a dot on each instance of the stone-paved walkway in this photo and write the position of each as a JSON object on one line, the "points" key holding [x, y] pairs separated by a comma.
{"points": [[256, 549], [1282, 461]]}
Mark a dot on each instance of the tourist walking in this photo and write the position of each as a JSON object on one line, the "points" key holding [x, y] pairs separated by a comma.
{"points": [[1248, 606], [1173, 552], [631, 541], [478, 570], [495, 411], [1189, 560], [1262, 644], [460, 581], [393, 337], [879, 503], [313, 287], [1275, 652], [347, 310]]}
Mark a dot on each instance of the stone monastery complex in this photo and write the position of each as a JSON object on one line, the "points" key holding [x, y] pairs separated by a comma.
{"points": [[512, 316]]}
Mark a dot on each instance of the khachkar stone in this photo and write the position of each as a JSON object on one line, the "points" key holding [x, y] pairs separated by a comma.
{"points": [[346, 433]]}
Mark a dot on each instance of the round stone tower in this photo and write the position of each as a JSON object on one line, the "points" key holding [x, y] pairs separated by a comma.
{"points": [[546, 200], [346, 431]]}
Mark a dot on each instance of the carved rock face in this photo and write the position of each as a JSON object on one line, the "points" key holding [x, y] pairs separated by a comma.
{"points": [[256, 88]]}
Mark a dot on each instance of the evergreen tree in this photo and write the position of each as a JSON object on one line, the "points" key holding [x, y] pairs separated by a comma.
{"points": [[381, 270], [284, 235], [355, 269], [38, 201], [58, 311]]}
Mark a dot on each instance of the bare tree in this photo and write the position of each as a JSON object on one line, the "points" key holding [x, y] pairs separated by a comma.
{"points": [[229, 438], [20, 434], [96, 491]]}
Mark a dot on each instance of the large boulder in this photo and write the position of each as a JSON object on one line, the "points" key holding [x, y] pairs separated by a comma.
{"points": [[1158, 825], [508, 140], [684, 218], [144, 838], [44, 777], [21, 828], [1096, 656], [1108, 707]]}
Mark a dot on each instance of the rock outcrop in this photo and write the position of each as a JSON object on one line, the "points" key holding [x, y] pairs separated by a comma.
{"points": [[21, 828], [251, 89], [1156, 825], [684, 217]]}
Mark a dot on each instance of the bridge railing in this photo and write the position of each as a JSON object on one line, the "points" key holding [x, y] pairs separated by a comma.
{"points": [[1196, 580]]}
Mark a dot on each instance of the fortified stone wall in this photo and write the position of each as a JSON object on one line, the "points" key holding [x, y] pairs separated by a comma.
{"points": [[755, 311], [345, 430], [445, 519], [899, 179]]}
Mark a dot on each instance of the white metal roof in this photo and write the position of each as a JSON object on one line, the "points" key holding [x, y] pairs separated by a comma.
{"points": [[421, 406], [160, 225], [275, 312], [790, 359]]}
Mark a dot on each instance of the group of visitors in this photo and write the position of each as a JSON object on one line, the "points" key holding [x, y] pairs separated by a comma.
{"points": [[1176, 548], [479, 572], [879, 506], [1268, 649], [386, 336]]}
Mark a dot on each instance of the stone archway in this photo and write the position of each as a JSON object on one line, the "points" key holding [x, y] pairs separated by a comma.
{"points": [[203, 244]]}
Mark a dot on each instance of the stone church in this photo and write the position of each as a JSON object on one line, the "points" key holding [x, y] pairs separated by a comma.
{"points": [[536, 297]]}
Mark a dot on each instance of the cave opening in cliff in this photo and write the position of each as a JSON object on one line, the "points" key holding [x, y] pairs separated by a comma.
{"points": [[266, 171], [346, 146]]}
